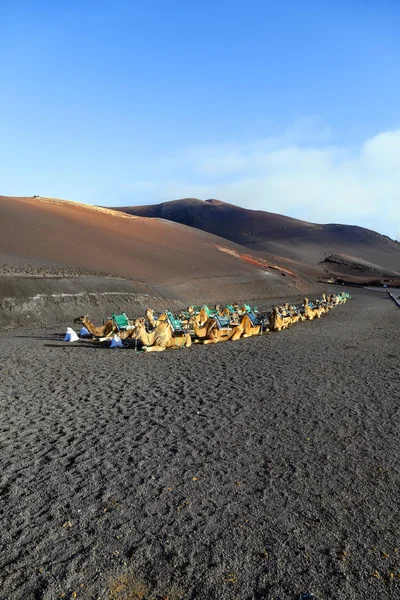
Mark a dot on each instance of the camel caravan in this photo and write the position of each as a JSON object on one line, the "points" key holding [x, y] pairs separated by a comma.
{"points": [[201, 324]]}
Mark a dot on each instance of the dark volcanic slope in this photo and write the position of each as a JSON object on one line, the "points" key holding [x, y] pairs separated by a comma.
{"points": [[256, 469], [277, 234]]}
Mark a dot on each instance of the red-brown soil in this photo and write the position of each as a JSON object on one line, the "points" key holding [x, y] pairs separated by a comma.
{"points": [[87, 238]]}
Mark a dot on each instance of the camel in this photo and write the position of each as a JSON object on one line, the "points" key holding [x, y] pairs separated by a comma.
{"points": [[241, 310], [321, 306], [160, 338], [153, 322], [223, 312], [294, 316], [209, 333], [325, 300], [336, 299], [311, 313], [103, 331], [323, 303], [191, 315], [201, 317], [246, 328], [277, 322], [284, 312]]}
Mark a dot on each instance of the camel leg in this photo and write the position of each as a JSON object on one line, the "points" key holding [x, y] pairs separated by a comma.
{"points": [[252, 332], [237, 334], [154, 348], [184, 341], [216, 340]]}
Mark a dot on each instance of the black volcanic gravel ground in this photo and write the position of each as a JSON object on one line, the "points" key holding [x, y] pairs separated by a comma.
{"points": [[255, 469]]}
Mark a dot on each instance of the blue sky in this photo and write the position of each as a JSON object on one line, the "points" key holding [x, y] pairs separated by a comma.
{"points": [[285, 106]]}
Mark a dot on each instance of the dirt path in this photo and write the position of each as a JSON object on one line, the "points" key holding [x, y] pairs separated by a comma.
{"points": [[255, 469]]}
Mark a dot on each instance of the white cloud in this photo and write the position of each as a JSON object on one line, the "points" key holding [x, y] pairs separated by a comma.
{"points": [[290, 175]]}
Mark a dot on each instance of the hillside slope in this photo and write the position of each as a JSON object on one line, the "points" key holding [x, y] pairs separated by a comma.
{"points": [[47, 245], [276, 234]]}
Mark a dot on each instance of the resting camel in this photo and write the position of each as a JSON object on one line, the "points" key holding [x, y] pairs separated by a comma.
{"points": [[246, 328], [285, 314], [190, 315], [160, 338], [103, 331], [209, 333], [311, 313], [277, 322], [325, 300], [323, 303], [223, 312], [149, 313], [322, 306], [294, 315], [335, 299]]}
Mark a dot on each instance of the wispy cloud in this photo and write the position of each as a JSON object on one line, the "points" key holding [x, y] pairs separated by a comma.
{"points": [[290, 174]]}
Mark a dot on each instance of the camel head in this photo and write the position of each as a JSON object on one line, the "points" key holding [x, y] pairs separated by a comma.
{"points": [[137, 325], [82, 320]]}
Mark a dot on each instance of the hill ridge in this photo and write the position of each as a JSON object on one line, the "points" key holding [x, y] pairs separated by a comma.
{"points": [[277, 234]]}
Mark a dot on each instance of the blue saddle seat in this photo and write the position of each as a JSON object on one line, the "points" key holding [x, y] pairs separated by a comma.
{"points": [[222, 322], [253, 318]]}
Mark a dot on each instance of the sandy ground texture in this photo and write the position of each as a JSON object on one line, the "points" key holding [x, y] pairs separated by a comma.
{"points": [[257, 469]]}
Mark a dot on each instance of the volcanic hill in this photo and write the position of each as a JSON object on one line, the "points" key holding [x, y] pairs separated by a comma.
{"points": [[60, 258], [366, 253]]}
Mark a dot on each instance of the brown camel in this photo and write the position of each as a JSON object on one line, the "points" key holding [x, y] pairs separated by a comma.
{"points": [[223, 312], [334, 299], [103, 331], [151, 320], [160, 338], [209, 332], [200, 316], [326, 301], [294, 316], [311, 313], [248, 328], [321, 306], [277, 322]]}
